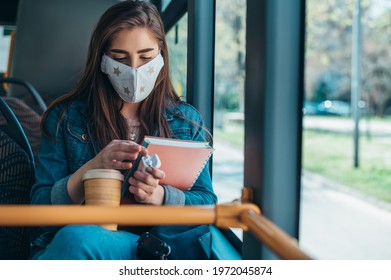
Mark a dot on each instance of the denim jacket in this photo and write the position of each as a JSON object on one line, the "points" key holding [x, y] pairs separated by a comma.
{"points": [[73, 145]]}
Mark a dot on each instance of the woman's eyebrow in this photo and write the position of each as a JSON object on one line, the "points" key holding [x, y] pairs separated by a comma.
{"points": [[125, 52], [118, 51], [145, 50]]}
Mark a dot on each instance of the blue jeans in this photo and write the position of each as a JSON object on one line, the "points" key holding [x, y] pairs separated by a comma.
{"points": [[89, 242]]}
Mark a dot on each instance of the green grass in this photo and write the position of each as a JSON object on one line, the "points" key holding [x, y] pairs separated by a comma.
{"points": [[330, 154], [234, 134]]}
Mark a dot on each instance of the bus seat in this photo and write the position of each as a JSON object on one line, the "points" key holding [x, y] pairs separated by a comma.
{"points": [[29, 120], [4, 88], [31, 90], [51, 43], [16, 178], [222, 248]]}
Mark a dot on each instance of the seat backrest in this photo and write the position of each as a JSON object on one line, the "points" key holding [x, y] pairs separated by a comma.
{"points": [[40, 105], [11, 126], [51, 43], [29, 120], [16, 178]]}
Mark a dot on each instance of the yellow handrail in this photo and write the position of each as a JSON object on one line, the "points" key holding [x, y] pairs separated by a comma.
{"points": [[124, 215], [277, 240], [246, 216]]}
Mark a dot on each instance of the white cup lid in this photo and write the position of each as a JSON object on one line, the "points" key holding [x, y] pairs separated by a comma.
{"points": [[103, 173]]}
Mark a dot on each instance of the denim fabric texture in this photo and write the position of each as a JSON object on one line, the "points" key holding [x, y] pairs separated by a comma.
{"points": [[89, 242], [72, 145]]}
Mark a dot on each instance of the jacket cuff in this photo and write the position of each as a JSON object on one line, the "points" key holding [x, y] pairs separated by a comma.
{"points": [[173, 196], [59, 194]]}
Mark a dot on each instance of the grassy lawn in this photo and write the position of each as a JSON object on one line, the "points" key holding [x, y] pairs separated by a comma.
{"points": [[330, 154], [234, 134]]}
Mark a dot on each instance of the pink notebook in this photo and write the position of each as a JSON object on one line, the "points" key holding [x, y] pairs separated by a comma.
{"points": [[181, 160]]}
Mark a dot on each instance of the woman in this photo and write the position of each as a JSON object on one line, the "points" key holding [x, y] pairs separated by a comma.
{"points": [[124, 93]]}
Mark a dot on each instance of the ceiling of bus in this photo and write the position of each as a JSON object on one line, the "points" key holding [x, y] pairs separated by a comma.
{"points": [[8, 12]]}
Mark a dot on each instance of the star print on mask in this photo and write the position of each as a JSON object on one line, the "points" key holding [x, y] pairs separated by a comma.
{"points": [[116, 71], [151, 70], [132, 84]]}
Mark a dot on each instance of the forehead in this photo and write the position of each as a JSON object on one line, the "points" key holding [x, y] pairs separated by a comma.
{"points": [[133, 39]]}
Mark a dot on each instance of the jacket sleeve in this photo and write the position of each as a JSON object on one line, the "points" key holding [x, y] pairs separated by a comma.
{"points": [[52, 172]]}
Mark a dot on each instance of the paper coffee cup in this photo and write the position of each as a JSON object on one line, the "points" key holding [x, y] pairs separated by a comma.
{"points": [[103, 187]]}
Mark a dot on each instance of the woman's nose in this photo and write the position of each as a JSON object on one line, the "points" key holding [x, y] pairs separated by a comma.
{"points": [[134, 63]]}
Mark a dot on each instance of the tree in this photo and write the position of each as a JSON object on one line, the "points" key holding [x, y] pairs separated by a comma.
{"points": [[230, 54], [328, 51]]}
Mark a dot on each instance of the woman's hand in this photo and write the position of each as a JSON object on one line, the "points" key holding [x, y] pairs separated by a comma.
{"points": [[118, 154], [145, 186]]}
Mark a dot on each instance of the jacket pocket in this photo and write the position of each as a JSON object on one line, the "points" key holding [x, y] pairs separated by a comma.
{"points": [[183, 133], [79, 145]]}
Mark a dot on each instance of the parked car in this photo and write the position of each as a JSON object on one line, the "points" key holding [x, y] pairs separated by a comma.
{"points": [[310, 108], [334, 107]]}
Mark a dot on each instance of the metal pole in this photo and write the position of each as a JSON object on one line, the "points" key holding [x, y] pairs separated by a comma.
{"points": [[200, 58], [275, 32], [356, 78]]}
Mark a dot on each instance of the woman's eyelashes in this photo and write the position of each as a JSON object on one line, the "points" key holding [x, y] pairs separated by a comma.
{"points": [[124, 59], [120, 59]]}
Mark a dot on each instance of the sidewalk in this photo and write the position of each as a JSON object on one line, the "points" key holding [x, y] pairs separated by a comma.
{"points": [[371, 127], [338, 223], [335, 223]]}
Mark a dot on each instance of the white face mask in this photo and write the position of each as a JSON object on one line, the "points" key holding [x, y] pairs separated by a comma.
{"points": [[132, 84]]}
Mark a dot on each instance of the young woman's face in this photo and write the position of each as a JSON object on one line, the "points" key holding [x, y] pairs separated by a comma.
{"points": [[133, 47]]}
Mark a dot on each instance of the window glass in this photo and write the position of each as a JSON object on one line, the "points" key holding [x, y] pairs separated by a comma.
{"points": [[5, 40], [229, 99], [177, 49], [346, 209], [165, 3]]}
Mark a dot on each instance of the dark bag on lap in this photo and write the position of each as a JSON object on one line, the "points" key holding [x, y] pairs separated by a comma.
{"points": [[176, 243]]}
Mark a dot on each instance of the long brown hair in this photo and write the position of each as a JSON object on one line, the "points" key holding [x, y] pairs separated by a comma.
{"points": [[103, 102]]}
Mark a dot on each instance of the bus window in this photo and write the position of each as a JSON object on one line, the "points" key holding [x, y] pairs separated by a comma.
{"points": [[5, 40], [177, 47], [345, 210], [229, 99], [229, 91], [228, 127], [164, 4]]}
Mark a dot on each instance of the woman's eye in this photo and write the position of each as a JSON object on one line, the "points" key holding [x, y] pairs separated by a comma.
{"points": [[146, 58], [119, 59]]}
